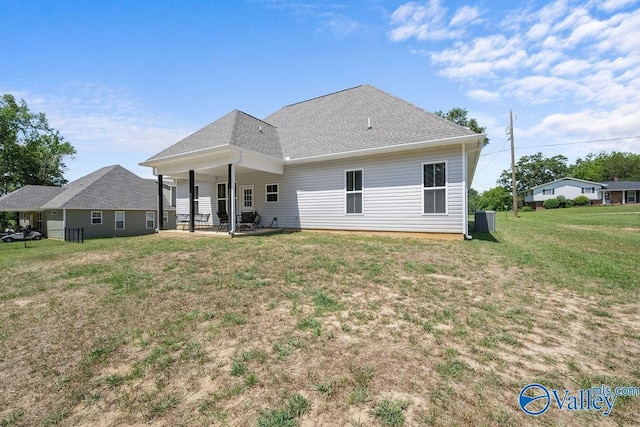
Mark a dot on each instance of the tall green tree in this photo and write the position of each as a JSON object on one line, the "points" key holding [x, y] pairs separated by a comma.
{"points": [[459, 117], [495, 199], [604, 167], [535, 170], [31, 152]]}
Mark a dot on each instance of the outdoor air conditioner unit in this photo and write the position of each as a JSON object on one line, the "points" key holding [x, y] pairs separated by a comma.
{"points": [[485, 221]]}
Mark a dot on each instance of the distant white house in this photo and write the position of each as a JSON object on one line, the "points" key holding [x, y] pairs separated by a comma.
{"points": [[568, 187]]}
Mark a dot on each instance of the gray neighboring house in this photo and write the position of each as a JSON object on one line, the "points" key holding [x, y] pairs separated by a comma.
{"points": [[358, 159], [599, 193], [110, 202]]}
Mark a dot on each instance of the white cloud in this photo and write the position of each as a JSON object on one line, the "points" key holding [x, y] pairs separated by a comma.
{"points": [[465, 15], [427, 21], [483, 95], [96, 118], [613, 5]]}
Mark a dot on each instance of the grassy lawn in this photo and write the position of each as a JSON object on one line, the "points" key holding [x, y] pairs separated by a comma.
{"points": [[323, 329]]}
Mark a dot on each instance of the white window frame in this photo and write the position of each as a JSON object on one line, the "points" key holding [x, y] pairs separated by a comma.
{"points": [[96, 223], [548, 191], [124, 220], [268, 193], [226, 196], [165, 216], [588, 190], [153, 219], [424, 188], [348, 192], [39, 222], [635, 196]]}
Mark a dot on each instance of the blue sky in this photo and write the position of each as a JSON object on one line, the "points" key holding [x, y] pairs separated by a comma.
{"points": [[121, 80]]}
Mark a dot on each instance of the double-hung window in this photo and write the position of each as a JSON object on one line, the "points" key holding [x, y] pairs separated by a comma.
{"points": [[548, 191], [588, 190], [96, 217], [434, 181], [272, 193], [222, 196], [151, 219], [353, 193], [120, 219]]}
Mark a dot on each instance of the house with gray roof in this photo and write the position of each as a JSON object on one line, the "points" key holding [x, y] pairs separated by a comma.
{"points": [[109, 202], [357, 159], [599, 193]]}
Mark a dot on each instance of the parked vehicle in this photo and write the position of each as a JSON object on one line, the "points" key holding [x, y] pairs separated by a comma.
{"points": [[26, 234]]}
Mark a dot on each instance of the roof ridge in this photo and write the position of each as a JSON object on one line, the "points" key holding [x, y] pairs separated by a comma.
{"points": [[325, 95]]}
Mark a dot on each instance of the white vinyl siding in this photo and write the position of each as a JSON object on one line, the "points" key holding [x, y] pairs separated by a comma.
{"points": [[205, 193], [120, 220], [312, 195], [96, 217], [196, 199], [150, 219], [353, 191]]}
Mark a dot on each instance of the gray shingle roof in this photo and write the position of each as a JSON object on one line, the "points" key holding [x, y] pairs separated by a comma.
{"points": [[338, 123], [29, 197], [112, 187], [235, 128], [622, 185], [330, 124]]}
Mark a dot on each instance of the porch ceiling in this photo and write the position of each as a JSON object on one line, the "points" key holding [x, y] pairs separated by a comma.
{"points": [[216, 164]]}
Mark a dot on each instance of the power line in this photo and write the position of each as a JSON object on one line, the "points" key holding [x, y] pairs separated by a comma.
{"points": [[566, 143]]}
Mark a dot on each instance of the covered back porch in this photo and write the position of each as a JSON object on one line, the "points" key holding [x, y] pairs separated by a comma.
{"points": [[205, 200]]}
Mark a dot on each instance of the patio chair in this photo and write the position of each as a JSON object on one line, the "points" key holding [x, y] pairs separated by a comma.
{"points": [[247, 219], [223, 217]]}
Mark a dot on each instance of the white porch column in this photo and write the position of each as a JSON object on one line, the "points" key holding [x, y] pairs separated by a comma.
{"points": [[232, 196], [624, 195], [604, 197]]}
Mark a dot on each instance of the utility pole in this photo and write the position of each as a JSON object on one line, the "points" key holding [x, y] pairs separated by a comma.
{"points": [[513, 168]]}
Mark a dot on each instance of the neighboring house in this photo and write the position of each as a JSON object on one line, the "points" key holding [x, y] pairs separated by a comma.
{"points": [[358, 159], [613, 192], [568, 187], [109, 202], [621, 192]]}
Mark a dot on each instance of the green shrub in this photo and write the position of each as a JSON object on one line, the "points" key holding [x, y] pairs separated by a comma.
{"points": [[582, 201], [569, 203], [527, 208], [551, 204], [562, 201]]}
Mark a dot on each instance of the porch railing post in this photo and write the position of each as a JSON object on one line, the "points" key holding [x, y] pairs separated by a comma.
{"points": [[160, 203], [192, 202], [232, 199]]}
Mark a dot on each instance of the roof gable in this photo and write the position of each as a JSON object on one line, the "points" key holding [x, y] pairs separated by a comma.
{"points": [[112, 187], [237, 129]]}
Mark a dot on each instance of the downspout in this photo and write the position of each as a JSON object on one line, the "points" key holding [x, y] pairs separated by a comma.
{"points": [[465, 196], [64, 224]]}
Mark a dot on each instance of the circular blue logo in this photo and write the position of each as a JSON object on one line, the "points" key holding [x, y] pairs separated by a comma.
{"points": [[534, 393]]}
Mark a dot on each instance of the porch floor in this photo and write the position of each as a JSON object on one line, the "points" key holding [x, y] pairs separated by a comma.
{"points": [[224, 233]]}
